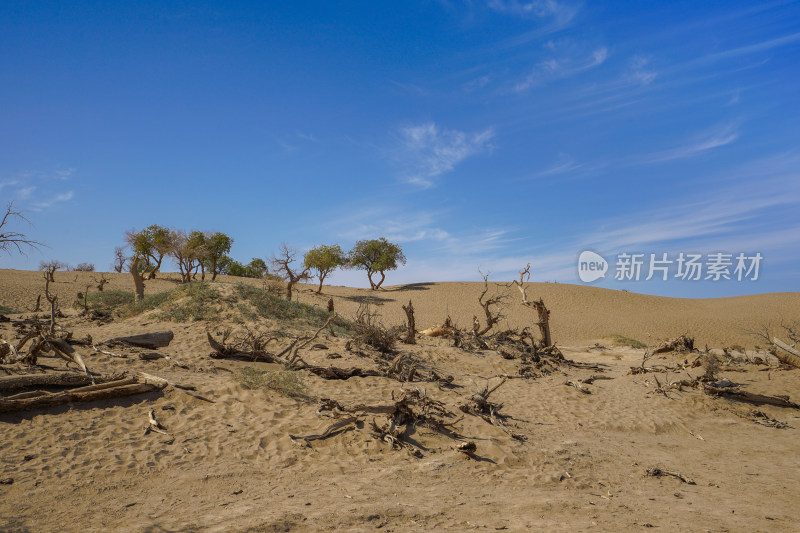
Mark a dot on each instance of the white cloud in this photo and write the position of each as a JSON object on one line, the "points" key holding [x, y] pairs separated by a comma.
{"points": [[640, 70], [721, 136], [433, 151], [556, 69], [561, 14], [64, 175], [8, 183], [65, 197]]}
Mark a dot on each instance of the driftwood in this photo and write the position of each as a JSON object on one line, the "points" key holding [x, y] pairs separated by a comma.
{"points": [[679, 344], [409, 311], [658, 472], [541, 309], [332, 372], [492, 317], [61, 379], [61, 398], [738, 394], [152, 341], [162, 383], [413, 408], [791, 357], [333, 429]]}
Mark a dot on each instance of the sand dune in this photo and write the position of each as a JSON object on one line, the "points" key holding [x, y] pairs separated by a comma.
{"points": [[231, 465]]}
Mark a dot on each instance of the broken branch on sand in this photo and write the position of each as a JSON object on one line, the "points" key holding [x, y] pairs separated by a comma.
{"points": [[791, 357], [658, 472], [738, 394], [59, 398]]}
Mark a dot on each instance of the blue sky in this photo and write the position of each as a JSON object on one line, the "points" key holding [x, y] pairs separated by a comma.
{"points": [[482, 134]]}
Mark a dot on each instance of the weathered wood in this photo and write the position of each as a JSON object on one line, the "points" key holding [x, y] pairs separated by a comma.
{"points": [[61, 398], [333, 429], [62, 379], [410, 339], [791, 357], [154, 340], [782, 401], [332, 372]]}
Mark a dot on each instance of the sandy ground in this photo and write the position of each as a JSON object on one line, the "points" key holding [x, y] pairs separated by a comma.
{"points": [[231, 465]]}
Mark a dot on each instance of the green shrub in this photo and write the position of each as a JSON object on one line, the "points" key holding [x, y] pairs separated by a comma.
{"points": [[288, 382], [620, 340], [267, 305], [192, 302], [122, 303], [7, 310]]}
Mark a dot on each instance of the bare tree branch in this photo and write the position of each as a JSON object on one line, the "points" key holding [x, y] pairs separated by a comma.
{"points": [[10, 240]]}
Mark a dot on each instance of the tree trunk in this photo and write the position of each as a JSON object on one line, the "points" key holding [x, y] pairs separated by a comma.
{"points": [[321, 280], [289, 285], [138, 279], [371, 283], [383, 277], [411, 324], [544, 322]]}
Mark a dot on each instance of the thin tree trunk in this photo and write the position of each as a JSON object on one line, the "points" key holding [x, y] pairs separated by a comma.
{"points": [[138, 279]]}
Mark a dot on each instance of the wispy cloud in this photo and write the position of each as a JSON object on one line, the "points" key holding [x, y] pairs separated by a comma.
{"points": [[8, 183], [565, 165], [752, 48], [65, 197], [555, 69], [434, 151], [64, 174], [641, 71], [561, 13], [721, 136], [25, 192]]}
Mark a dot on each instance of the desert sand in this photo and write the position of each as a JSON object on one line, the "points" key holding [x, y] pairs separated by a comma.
{"points": [[565, 460]]}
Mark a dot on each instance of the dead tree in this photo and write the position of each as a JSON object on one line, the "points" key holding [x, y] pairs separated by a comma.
{"points": [[492, 307], [411, 324], [53, 299], [138, 278], [49, 268], [119, 259], [101, 282], [541, 310], [283, 264], [13, 239]]}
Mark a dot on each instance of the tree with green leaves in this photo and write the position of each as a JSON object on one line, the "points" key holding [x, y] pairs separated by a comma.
{"points": [[151, 244], [324, 259], [217, 245], [185, 251], [376, 256]]}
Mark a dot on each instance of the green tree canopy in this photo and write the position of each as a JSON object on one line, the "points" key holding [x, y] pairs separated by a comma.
{"points": [[376, 256], [324, 259], [151, 244], [217, 245]]}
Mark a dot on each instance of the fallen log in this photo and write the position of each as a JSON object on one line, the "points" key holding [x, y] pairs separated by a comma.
{"points": [[658, 472], [59, 379], [61, 398], [333, 372], [738, 394], [331, 430], [791, 357], [158, 339]]}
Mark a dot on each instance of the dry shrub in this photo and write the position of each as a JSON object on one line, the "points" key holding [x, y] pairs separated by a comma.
{"points": [[368, 330], [710, 364]]}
